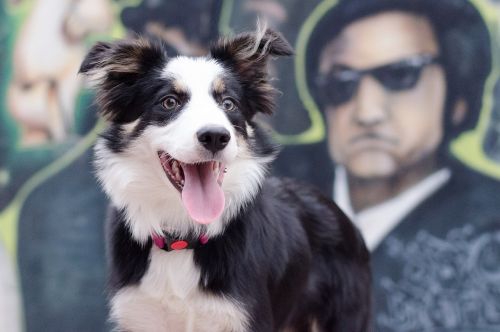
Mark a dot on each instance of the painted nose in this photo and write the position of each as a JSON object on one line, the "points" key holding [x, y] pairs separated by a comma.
{"points": [[213, 139], [371, 103]]}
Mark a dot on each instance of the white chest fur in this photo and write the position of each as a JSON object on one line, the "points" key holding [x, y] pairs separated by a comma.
{"points": [[168, 299]]}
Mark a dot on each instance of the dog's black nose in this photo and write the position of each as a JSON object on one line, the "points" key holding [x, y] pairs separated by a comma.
{"points": [[213, 138]]}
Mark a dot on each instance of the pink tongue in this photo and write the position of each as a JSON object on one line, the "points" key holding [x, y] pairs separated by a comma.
{"points": [[202, 195]]}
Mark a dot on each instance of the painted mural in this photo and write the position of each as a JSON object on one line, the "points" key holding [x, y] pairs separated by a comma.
{"points": [[407, 144]]}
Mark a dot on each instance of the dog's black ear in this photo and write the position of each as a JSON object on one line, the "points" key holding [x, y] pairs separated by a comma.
{"points": [[251, 47], [117, 71], [247, 55], [95, 57]]}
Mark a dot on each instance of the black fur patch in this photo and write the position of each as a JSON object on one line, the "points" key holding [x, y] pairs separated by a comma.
{"points": [[246, 55], [123, 72], [129, 260]]}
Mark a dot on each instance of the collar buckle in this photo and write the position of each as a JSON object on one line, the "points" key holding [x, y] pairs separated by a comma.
{"points": [[169, 242]]}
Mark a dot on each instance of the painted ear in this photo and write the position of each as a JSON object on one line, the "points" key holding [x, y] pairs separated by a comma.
{"points": [[247, 55], [117, 71]]}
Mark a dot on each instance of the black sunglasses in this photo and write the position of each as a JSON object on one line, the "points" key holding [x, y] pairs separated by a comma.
{"points": [[341, 83]]}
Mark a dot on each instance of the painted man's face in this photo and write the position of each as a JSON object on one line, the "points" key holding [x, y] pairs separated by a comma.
{"points": [[384, 120]]}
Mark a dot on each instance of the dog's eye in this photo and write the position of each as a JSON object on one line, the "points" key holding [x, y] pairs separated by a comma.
{"points": [[228, 104], [170, 103]]}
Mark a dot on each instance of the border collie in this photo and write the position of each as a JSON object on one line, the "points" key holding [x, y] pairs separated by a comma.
{"points": [[199, 237]]}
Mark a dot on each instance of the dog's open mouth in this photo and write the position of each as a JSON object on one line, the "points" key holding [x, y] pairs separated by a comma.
{"points": [[199, 185]]}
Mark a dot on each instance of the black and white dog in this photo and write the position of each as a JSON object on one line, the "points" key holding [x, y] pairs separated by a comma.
{"points": [[200, 238]]}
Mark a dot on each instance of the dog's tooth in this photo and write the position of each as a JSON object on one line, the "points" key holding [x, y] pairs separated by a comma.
{"points": [[177, 172], [218, 169]]}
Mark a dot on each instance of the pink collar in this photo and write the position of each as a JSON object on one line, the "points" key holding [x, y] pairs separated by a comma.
{"points": [[168, 242]]}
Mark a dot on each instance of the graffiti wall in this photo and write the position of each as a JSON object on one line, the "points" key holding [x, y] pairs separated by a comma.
{"points": [[403, 131]]}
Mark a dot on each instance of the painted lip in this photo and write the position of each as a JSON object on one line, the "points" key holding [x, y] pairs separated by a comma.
{"points": [[372, 142], [373, 138]]}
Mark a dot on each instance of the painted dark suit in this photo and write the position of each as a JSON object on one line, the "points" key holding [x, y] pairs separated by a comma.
{"points": [[438, 269]]}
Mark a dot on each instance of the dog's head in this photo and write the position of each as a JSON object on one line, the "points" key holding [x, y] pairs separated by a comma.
{"points": [[182, 150]]}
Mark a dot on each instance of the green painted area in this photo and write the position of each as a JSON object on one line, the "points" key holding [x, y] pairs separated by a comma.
{"points": [[9, 216], [316, 132], [468, 147], [8, 228], [225, 17]]}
